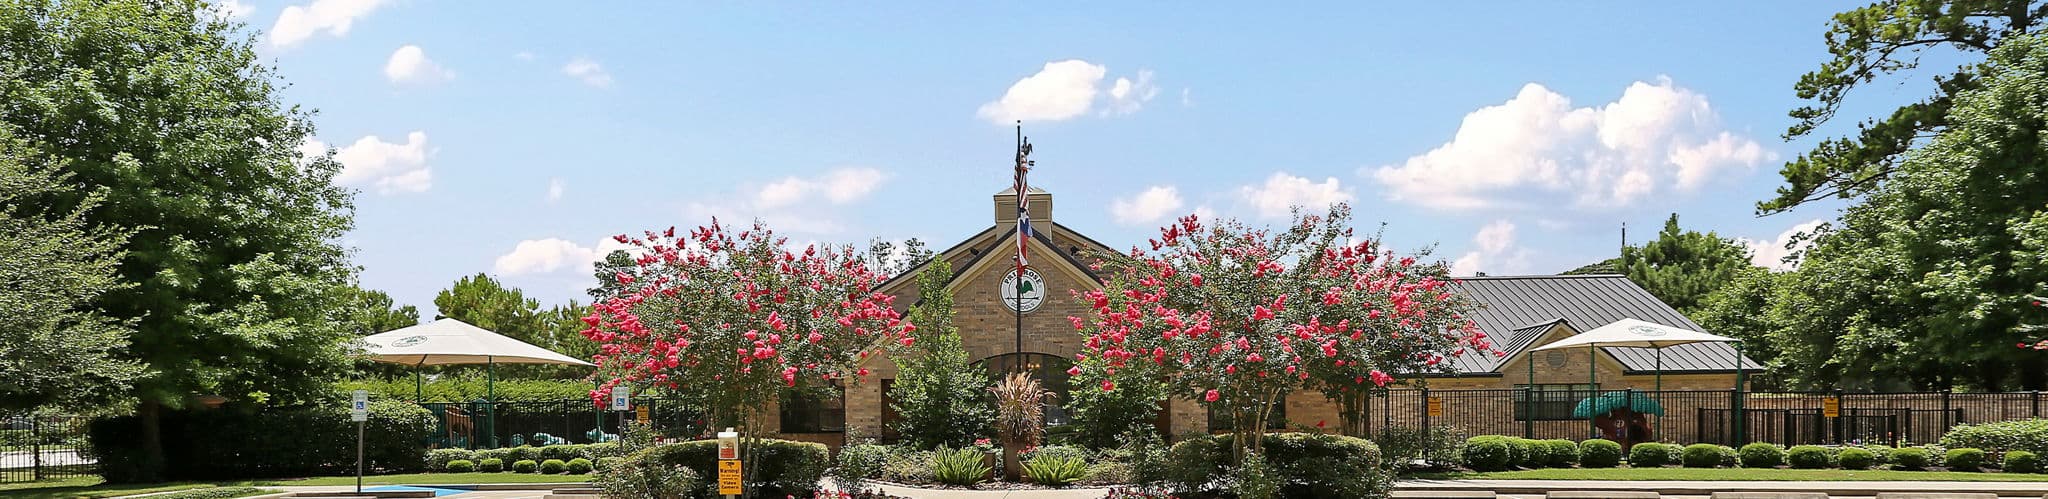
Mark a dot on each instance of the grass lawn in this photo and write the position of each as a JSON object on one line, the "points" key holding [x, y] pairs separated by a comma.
{"points": [[92, 487], [1736, 474]]}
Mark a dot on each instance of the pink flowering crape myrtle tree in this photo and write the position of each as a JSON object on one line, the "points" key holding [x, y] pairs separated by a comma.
{"points": [[728, 323], [1238, 318]]}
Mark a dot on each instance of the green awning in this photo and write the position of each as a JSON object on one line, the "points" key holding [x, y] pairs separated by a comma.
{"points": [[1610, 401]]}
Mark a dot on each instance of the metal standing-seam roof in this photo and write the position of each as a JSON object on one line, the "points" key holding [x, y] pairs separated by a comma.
{"points": [[1515, 310]]}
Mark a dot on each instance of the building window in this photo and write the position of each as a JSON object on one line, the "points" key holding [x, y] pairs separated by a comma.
{"points": [[1220, 420], [814, 411], [1552, 402], [1049, 370]]}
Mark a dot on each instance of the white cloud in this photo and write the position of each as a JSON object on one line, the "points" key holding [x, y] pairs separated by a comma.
{"points": [[540, 256], [1127, 96], [1282, 192], [554, 190], [1771, 253], [588, 71], [1069, 89], [1147, 207], [1494, 251], [409, 64], [387, 167], [297, 23], [1535, 148], [1186, 97], [796, 204], [233, 9], [523, 55]]}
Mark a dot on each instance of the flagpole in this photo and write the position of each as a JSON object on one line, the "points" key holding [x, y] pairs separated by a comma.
{"points": [[1018, 287]]}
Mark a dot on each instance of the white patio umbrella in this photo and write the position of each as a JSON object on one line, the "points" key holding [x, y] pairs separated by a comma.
{"points": [[1632, 333], [449, 341]]}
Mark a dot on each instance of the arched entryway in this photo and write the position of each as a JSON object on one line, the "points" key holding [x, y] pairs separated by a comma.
{"points": [[1050, 371]]}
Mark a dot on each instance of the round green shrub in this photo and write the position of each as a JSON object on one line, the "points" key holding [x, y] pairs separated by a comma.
{"points": [[1525, 453], [564, 452], [579, 466], [1599, 453], [2019, 461], [490, 465], [1909, 459], [1809, 457], [1702, 456], [1762, 455], [1882, 452], [525, 466], [522, 453], [460, 466], [1649, 455], [1559, 453], [438, 459], [1488, 453], [2029, 435], [553, 467], [1856, 459], [1964, 459]]}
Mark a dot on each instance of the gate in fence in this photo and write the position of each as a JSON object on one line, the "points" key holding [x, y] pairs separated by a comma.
{"points": [[43, 447]]}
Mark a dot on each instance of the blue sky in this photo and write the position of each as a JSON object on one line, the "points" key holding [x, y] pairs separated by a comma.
{"points": [[1516, 137]]}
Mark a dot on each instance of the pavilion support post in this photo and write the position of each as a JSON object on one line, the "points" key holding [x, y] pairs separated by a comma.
{"points": [[1593, 386], [491, 398], [1741, 394], [1660, 392], [1529, 397]]}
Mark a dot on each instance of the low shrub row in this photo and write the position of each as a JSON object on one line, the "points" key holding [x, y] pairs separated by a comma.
{"points": [[575, 466], [1499, 453], [239, 442], [440, 459]]}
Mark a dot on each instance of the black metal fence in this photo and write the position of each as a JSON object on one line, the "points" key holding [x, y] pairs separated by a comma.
{"points": [[480, 425], [1724, 417], [43, 447]]}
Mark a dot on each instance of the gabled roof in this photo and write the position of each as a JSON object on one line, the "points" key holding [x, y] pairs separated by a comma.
{"points": [[984, 237], [1516, 310]]}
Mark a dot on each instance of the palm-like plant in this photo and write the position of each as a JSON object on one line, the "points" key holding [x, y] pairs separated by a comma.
{"points": [[1020, 417]]}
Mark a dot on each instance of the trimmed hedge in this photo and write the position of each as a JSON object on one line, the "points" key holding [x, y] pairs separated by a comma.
{"points": [[553, 467], [1856, 459], [1964, 459], [461, 466], [1651, 455], [1599, 453], [781, 467], [579, 466], [1559, 453], [438, 459], [237, 442], [1305, 464], [1525, 452], [2019, 461], [1909, 459], [525, 466], [490, 465], [2029, 435], [1762, 455], [1706, 456], [1489, 453], [1809, 457]]}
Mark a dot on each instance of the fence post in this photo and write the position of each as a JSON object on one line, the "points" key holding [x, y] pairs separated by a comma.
{"points": [[2037, 403], [35, 438], [1529, 411], [1840, 438], [1945, 423]]}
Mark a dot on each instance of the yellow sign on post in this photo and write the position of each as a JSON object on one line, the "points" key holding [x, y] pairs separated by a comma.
{"points": [[729, 477], [1831, 408], [640, 414], [1436, 407]]}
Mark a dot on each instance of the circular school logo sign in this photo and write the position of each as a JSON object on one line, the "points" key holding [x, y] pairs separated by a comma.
{"points": [[1023, 295], [1646, 331], [409, 341]]}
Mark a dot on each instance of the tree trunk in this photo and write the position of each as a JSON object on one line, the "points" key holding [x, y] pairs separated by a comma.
{"points": [[152, 466], [1353, 408]]}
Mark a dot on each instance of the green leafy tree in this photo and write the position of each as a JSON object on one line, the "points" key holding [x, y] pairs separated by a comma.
{"points": [[164, 109], [1748, 308], [1879, 40], [1104, 419], [488, 303], [56, 348], [942, 400], [367, 311], [1681, 267], [1928, 279]]}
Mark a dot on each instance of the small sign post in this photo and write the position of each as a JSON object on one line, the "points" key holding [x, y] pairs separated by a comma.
{"points": [[640, 414], [622, 400], [729, 482], [359, 412], [1436, 407], [1831, 407]]}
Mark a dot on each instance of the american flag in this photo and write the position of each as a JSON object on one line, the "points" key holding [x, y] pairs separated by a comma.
{"points": [[1023, 203]]}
